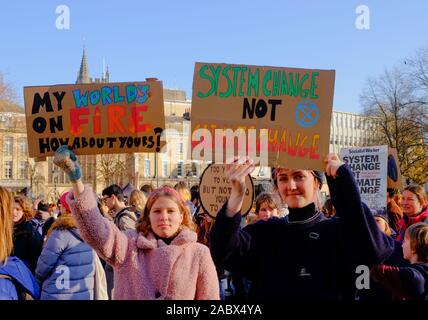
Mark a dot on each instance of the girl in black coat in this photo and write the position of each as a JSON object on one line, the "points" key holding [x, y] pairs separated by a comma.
{"points": [[27, 241], [305, 255]]}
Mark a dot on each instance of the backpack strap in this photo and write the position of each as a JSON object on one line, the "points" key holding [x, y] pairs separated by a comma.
{"points": [[124, 212], [74, 233]]}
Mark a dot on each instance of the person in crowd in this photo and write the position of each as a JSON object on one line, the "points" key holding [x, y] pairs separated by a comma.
{"points": [[415, 209], [375, 291], [147, 189], [184, 192], [382, 222], [410, 282], [27, 241], [137, 201], [123, 216], [305, 256], [328, 209], [65, 253], [266, 207], [395, 213], [397, 198], [16, 280], [160, 259]]}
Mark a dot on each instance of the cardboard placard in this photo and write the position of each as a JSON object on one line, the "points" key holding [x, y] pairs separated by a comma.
{"points": [[96, 118], [293, 105], [395, 180], [215, 188], [369, 165]]}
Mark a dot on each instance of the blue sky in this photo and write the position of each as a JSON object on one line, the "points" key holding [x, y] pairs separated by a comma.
{"points": [[164, 39]]}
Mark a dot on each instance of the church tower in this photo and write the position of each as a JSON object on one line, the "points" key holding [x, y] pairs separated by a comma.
{"points": [[83, 75]]}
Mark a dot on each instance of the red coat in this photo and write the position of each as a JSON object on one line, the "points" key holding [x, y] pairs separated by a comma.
{"points": [[408, 221]]}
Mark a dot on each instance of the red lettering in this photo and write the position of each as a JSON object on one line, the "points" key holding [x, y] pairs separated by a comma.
{"points": [[137, 119], [76, 121], [97, 121], [115, 114]]}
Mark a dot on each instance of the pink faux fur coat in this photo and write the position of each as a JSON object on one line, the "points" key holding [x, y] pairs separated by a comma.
{"points": [[146, 268]]}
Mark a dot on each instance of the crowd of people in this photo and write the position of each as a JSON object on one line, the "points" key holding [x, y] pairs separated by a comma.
{"points": [[158, 243]]}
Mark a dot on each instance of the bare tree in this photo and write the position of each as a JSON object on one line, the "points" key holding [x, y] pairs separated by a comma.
{"points": [[7, 91], [111, 168], [394, 103]]}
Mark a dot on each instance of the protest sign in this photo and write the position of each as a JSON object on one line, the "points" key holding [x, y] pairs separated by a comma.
{"points": [[288, 111], [369, 165], [394, 173], [215, 189], [95, 118]]}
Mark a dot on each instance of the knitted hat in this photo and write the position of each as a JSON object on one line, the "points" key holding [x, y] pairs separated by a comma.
{"points": [[63, 201]]}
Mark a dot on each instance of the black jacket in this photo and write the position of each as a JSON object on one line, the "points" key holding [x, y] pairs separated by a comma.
{"points": [[27, 244], [306, 256]]}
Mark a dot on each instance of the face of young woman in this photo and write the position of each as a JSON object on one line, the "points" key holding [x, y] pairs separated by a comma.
{"points": [[410, 204], [17, 212], [265, 212], [165, 217], [296, 187]]}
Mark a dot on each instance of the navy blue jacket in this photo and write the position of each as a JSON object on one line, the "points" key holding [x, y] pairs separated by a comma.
{"points": [[27, 244], [22, 279], [306, 256]]}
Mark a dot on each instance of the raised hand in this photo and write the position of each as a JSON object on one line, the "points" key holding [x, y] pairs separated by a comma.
{"points": [[237, 174], [332, 164], [66, 160]]}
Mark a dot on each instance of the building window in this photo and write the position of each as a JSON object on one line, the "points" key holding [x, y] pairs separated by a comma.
{"points": [[8, 166], [147, 168], [8, 145], [180, 169], [23, 145], [180, 148], [165, 168], [23, 170]]}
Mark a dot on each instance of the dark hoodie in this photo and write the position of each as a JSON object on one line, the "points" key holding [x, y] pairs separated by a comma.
{"points": [[306, 256]]}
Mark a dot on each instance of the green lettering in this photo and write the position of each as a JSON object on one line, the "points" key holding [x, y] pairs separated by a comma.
{"points": [[266, 78], [235, 78], [284, 83], [304, 92], [253, 82], [241, 81], [294, 84], [276, 83], [213, 81], [229, 83], [314, 86]]}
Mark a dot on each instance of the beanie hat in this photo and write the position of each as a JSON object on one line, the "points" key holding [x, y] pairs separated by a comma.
{"points": [[63, 201]]}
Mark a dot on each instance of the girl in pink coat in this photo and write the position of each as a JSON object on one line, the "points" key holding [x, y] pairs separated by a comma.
{"points": [[160, 259]]}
